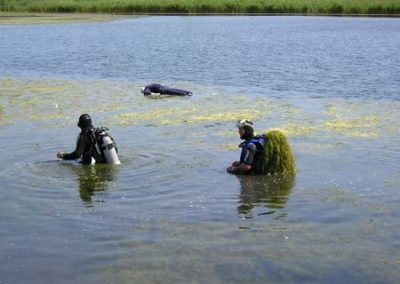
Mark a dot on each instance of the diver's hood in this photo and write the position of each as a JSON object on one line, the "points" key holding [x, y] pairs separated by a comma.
{"points": [[248, 132], [85, 121]]}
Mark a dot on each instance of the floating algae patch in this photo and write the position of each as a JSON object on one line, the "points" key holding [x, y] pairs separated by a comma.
{"points": [[298, 129], [224, 116], [364, 119], [359, 127], [149, 117], [203, 111], [61, 100], [34, 99]]}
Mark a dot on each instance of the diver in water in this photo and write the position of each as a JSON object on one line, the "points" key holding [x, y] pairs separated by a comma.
{"points": [[252, 147], [164, 90], [86, 145]]}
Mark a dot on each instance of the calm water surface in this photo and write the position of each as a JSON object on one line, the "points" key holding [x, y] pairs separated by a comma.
{"points": [[170, 213]]}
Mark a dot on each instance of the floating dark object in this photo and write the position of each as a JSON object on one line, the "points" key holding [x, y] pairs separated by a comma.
{"points": [[164, 90]]}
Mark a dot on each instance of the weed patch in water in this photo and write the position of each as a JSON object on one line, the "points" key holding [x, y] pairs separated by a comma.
{"points": [[295, 129]]}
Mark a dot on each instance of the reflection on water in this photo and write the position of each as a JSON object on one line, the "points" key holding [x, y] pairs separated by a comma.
{"points": [[93, 180], [265, 191]]}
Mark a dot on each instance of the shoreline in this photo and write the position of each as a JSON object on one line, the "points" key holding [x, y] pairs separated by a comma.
{"points": [[352, 8], [21, 18], [27, 18]]}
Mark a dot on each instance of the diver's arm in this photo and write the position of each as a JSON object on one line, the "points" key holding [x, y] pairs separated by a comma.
{"points": [[239, 169], [77, 153], [248, 160], [246, 165]]}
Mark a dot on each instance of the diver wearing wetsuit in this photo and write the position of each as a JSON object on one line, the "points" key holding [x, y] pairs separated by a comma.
{"points": [[85, 145], [250, 156], [164, 90]]}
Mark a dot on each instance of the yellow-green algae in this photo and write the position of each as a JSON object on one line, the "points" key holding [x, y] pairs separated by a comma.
{"points": [[35, 99], [277, 154], [193, 114], [360, 126], [31, 100], [353, 119], [293, 129], [123, 105]]}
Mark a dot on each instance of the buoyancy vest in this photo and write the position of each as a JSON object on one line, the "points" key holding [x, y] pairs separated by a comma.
{"points": [[259, 142]]}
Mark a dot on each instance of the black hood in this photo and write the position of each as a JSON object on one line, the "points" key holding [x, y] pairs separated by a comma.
{"points": [[85, 121]]}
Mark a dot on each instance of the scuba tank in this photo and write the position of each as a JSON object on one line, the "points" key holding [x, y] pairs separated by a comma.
{"points": [[107, 146]]}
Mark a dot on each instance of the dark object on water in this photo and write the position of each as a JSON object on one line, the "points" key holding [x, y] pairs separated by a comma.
{"points": [[164, 90]]}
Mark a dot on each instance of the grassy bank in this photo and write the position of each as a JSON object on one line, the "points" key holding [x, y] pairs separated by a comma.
{"points": [[341, 7]]}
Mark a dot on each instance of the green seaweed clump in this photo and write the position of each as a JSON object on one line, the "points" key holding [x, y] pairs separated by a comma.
{"points": [[277, 154]]}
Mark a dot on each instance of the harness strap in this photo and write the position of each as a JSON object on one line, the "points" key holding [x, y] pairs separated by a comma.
{"points": [[109, 146]]}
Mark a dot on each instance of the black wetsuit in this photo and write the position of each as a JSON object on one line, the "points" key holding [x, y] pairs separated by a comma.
{"points": [[86, 148], [164, 90]]}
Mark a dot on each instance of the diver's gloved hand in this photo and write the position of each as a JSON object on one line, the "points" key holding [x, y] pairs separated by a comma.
{"points": [[233, 170]]}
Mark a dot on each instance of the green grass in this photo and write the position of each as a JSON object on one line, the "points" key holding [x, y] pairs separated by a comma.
{"points": [[312, 7]]}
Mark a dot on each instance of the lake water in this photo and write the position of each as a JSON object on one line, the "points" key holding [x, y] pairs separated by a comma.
{"points": [[170, 213]]}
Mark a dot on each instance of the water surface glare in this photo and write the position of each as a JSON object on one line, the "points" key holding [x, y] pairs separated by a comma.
{"points": [[170, 213]]}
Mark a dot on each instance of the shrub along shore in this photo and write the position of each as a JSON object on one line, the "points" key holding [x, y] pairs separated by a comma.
{"points": [[308, 7]]}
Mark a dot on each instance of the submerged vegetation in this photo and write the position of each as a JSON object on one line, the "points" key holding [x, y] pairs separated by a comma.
{"points": [[339, 7]]}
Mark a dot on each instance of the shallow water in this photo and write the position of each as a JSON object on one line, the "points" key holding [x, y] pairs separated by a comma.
{"points": [[170, 213]]}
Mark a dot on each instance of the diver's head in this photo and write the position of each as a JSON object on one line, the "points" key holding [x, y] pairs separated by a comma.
{"points": [[142, 90], [245, 128], [84, 121]]}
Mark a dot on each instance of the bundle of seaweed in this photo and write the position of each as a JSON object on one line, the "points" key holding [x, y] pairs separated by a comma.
{"points": [[278, 155]]}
